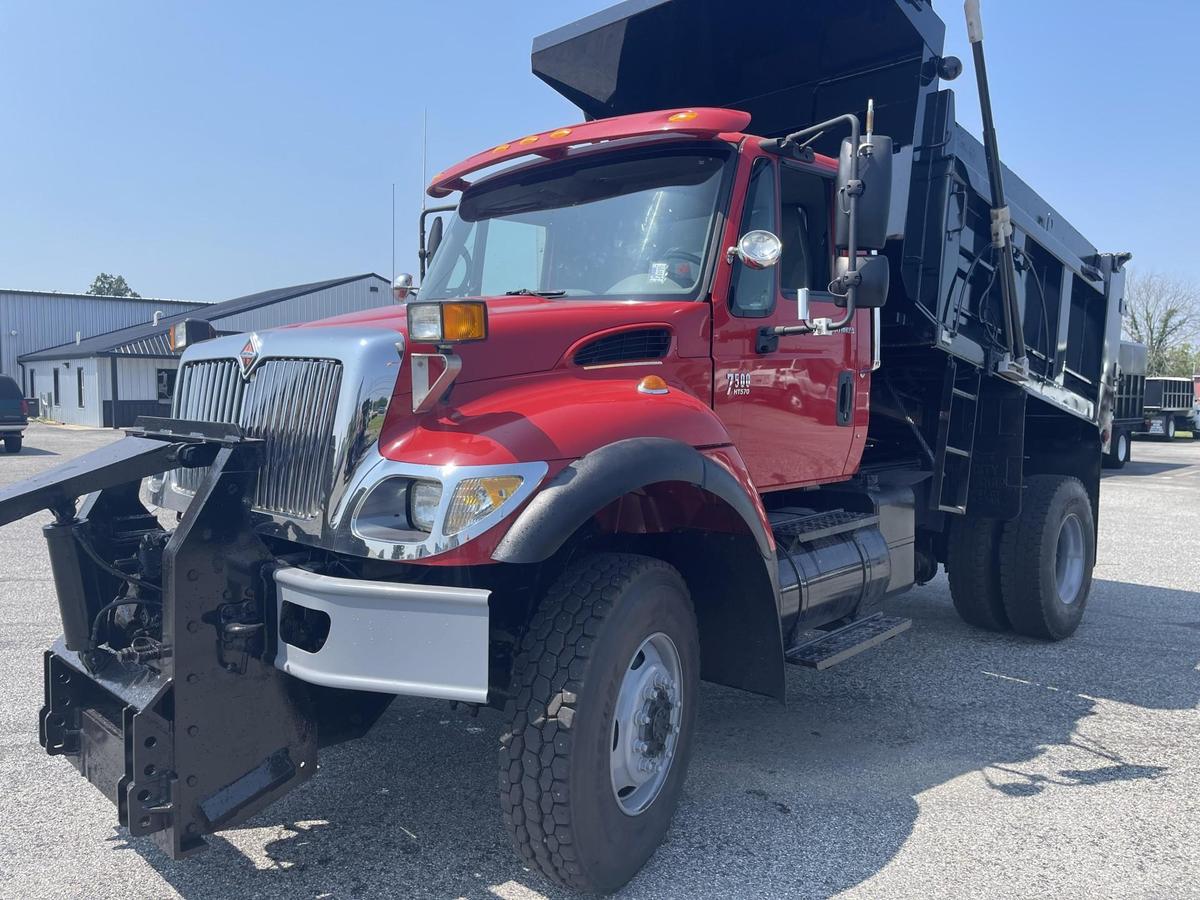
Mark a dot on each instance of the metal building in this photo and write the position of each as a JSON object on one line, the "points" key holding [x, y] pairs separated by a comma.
{"points": [[110, 379], [31, 320]]}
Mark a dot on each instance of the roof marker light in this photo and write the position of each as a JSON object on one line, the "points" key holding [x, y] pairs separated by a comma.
{"points": [[685, 116], [653, 384], [560, 133], [500, 148], [532, 139]]}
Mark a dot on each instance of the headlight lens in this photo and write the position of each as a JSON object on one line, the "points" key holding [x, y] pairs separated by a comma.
{"points": [[423, 500], [425, 322], [475, 498]]}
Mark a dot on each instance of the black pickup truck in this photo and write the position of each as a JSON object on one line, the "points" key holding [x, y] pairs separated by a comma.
{"points": [[14, 414]]}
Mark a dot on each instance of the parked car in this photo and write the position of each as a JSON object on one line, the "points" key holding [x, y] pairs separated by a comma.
{"points": [[14, 414]]}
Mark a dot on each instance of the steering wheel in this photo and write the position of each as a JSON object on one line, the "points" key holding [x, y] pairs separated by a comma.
{"points": [[688, 257]]}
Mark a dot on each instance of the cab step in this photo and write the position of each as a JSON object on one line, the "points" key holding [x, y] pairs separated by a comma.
{"points": [[829, 649], [800, 528]]}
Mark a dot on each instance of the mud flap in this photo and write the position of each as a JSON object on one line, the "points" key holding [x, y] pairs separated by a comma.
{"points": [[209, 732]]}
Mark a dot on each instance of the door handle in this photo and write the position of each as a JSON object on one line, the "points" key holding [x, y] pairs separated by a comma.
{"points": [[845, 398]]}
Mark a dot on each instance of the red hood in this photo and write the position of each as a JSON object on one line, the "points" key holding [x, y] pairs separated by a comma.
{"points": [[531, 334]]}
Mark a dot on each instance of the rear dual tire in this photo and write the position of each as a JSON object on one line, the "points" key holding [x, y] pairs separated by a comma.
{"points": [[1032, 574], [605, 681], [1118, 454], [12, 444]]}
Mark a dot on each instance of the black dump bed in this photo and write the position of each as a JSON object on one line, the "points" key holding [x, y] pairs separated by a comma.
{"points": [[791, 66], [1131, 383], [804, 61], [1166, 393]]}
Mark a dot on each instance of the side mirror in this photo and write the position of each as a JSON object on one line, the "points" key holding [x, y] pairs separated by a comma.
{"points": [[757, 249], [873, 187], [402, 287], [875, 276], [435, 238]]}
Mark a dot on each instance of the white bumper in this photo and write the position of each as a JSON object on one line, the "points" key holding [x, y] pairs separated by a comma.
{"points": [[419, 640]]}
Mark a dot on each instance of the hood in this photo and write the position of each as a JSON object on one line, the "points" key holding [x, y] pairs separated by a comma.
{"points": [[534, 334]]}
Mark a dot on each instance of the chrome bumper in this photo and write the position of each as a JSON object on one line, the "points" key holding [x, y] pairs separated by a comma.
{"points": [[418, 640]]}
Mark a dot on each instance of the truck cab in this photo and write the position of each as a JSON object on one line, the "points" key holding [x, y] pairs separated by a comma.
{"points": [[692, 389]]}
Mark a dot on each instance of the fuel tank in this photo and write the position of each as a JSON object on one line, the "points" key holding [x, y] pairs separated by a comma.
{"points": [[844, 562]]}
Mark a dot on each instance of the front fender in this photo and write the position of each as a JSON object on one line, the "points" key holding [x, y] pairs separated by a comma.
{"points": [[734, 584], [603, 476]]}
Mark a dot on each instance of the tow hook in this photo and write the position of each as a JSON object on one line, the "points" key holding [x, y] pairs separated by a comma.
{"points": [[241, 630]]}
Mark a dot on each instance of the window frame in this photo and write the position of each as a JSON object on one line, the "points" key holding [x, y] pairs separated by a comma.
{"points": [[79, 386], [735, 309], [722, 150], [57, 398]]}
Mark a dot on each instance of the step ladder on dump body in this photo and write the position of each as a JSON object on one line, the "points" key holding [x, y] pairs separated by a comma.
{"points": [[834, 567], [956, 437]]}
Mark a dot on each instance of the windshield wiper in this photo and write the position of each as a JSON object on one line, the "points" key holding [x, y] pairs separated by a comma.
{"points": [[526, 292]]}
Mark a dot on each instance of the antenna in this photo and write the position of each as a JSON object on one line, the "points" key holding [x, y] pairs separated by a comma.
{"points": [[393, 232], [424, 151]]}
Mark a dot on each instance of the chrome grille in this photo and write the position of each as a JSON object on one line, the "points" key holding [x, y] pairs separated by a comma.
{"points": [[290, 404]]}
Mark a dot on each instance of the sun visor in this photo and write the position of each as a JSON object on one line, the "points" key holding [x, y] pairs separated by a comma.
{"points": [[787, 64]]}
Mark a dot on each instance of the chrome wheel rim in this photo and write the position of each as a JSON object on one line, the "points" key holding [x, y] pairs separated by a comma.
{"points": [[645, 732], [1070, 559], [1122, 447]]}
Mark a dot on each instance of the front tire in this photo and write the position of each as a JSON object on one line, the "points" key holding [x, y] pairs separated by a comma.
{"points": [[1047, 555], [606, 684]]}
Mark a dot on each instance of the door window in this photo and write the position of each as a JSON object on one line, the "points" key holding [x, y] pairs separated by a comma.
{"points": [[804, 231], [752, 291]]}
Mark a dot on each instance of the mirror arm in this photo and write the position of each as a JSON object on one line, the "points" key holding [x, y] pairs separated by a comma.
{"points": [[850, 285], [422, 254]]}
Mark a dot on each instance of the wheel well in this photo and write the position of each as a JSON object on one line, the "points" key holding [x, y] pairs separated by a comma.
{"points": [[1059, 444], [733, 588]]}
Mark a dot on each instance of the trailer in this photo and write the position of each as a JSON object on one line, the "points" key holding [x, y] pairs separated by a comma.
{"points": [[1128, 404], [1170, 407], [695, 388]]}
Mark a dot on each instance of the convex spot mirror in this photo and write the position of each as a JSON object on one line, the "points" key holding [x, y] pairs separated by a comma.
{"points": [[402, 287], [876, 275], [875, 192], [757, 249]]}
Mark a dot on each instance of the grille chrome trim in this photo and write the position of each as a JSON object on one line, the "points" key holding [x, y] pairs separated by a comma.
{"points": [[288, 402], [326, 446]]}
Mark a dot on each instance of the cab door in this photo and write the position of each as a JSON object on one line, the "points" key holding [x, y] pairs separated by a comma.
{"points": [[790, 402]]}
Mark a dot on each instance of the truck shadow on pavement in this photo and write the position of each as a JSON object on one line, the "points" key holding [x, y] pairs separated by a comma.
{"points": [[806, 800]]}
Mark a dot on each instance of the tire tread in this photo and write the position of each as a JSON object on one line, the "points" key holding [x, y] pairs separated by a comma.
{"points": [[551, 668], [973, 569]]}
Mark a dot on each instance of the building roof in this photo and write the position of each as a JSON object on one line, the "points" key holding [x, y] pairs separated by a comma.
{"points": [[86, 296], [150, 340]]}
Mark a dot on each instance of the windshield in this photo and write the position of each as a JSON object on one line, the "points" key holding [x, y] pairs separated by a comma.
{"points": [[634, 226]]}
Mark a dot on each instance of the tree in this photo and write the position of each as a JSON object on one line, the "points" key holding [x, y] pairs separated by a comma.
{"points": [[112, 286], [1163, 312]]}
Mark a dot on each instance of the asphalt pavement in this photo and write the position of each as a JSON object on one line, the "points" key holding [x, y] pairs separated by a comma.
{"points": [[947, 763]]}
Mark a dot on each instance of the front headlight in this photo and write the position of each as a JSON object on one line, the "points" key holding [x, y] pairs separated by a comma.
{"points": [[423, 500], [475, 498]]}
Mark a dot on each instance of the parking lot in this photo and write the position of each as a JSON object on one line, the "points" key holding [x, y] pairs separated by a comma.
{"points": [[947, 763]]}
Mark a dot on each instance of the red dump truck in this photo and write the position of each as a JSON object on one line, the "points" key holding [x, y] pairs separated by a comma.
{"points": [[692, 389]]}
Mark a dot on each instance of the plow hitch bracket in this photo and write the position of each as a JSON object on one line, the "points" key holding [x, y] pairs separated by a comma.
{"points": [[187, 726]]}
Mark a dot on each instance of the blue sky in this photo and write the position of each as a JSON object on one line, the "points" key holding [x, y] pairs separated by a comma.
{"points": [[208, 150]]}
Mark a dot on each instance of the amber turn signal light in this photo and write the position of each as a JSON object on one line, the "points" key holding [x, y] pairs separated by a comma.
{"points": [[451, 322], [653, 384]]}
